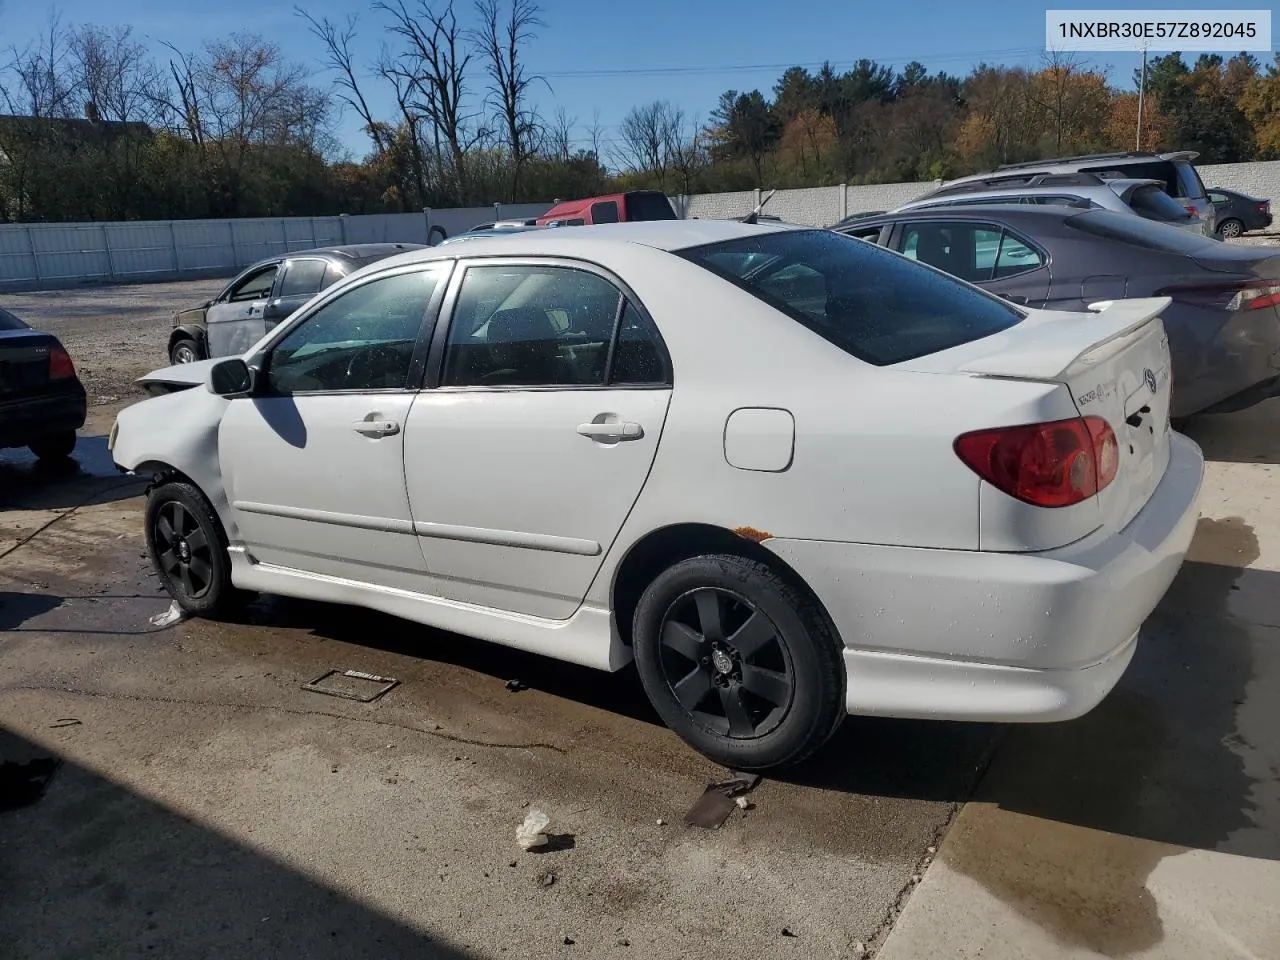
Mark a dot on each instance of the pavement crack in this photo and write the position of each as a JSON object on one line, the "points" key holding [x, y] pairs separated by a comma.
{"points": [[292, 711]]}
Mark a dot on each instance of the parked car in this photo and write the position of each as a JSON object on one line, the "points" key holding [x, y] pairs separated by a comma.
{"points": [[503, 225], [1223, 323], [1174, 170], [264, 294], [1239, 213], [614, 208], [1146, 198], [482, 232], [790, 474], [42, 402]]}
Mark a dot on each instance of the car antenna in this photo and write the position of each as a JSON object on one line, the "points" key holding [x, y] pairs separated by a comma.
{"points": [[754, 215]]}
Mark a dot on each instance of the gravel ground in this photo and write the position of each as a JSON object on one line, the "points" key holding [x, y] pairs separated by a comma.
{"points": [[115, 333]]}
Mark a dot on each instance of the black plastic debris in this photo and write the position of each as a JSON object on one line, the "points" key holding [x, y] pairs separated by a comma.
{"points": [[352, 685], [712, 809], [515, 686], [22, 784]]}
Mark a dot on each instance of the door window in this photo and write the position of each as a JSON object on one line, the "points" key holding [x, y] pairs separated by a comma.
{"points": [[1219, 198], [638, 358], [974, 252], [256, 286], [604, 212], [1015, 257], [331, 276], [530, 326], [363, 339], [302, 278]]}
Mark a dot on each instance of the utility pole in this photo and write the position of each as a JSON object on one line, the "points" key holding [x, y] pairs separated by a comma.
{"points": [[1142, 93]]}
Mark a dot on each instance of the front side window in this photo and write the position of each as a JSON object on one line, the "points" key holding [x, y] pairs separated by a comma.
{"points": [[876, 305], [363, 339], [302, 278], [256, 286], [526, 326]]}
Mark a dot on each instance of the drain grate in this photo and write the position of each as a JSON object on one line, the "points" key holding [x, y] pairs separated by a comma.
{"points": [[351, 685]]}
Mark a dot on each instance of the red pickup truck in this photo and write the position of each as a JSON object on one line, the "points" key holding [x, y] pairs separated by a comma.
{"points": [[614, 208]]}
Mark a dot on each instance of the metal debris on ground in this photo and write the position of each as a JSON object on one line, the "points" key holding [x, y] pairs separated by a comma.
{"points": [[65, 722], [515, 686], [366, 687], [22, 784], [167, 619], [533, 832], [712, 809]]}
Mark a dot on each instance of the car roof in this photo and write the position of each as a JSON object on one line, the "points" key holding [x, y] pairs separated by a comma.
{"points": [[971, 211], [1083, 190], [583, 242], [350, 251]]}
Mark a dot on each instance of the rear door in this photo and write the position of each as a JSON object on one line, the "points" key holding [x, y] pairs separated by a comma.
{"points": [[548, 392], [983, 253]]}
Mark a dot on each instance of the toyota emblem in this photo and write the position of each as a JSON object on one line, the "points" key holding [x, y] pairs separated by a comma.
{"points": [[1150, 379]]}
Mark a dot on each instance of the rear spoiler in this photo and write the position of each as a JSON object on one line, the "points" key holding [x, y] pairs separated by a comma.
{"points": [[1060, 347]]}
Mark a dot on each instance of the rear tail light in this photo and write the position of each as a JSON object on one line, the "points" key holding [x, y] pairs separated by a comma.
{"points": [[1193, 210], [1249, 295], [60, 365], [1053, 464]]}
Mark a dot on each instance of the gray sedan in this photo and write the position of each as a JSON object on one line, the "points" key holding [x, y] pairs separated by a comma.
{"points": [[1223, 323]]}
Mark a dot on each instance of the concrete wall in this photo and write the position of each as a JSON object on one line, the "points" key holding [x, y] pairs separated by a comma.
{"points": [[58, 254]]}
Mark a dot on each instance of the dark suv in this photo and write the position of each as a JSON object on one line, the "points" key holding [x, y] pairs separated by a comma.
{"points": [[264, 294]]}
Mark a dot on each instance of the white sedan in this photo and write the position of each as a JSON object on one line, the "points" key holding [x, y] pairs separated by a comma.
{"points": [[790, 474]]}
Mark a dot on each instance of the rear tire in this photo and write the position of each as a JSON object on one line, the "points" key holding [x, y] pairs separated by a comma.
{"points": [[742, 665], [188, 549], [57, 446], [1230, 229]]}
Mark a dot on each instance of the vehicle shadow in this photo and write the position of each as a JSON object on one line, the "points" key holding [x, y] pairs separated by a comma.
{"points": [[89, 476], [1173, 755], [93, 868], [1248, 436]]}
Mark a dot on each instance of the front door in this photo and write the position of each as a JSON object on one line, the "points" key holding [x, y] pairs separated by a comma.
{"points": [[236, 322], [313, 461], [524, 461]]}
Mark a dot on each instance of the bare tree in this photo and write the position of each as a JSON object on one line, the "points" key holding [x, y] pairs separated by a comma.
{"points": [[40, 83], [688, 152], [560, 135], [596, 135], [116, 75], [434, 63], [647, 135], [339, 58], [501, 39]]}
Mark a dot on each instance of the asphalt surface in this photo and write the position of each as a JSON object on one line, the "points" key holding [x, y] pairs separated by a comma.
{"points": [[207, 805]]}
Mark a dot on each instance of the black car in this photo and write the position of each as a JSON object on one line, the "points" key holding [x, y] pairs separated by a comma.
{"points": [[265, 293], [1238, 212], [42, 402], [1223, 323]]}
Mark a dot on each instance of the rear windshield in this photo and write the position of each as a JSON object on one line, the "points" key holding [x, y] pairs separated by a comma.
{"points": [[649, 206], [1154, 204], [1163, 170], [874, 304], [9, 322], [1139, 232]]}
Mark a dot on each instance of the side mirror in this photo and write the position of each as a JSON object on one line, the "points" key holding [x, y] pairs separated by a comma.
{"points": [[231, 378]]}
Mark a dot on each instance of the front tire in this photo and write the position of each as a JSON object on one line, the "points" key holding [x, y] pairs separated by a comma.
{"points": [[185, 350], [188, 549], [58, 446], [1230, 229], [738, 662]]}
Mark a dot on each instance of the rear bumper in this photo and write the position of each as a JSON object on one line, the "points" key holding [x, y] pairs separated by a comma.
{"points": [[25, 420], [999, 636], [1222, 360]]}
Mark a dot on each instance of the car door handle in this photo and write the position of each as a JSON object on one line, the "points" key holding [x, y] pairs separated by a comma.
{"points": [[376, 428], [611, 431]]}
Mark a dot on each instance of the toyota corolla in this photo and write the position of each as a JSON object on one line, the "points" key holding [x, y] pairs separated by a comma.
{"points": [[791, 475]]}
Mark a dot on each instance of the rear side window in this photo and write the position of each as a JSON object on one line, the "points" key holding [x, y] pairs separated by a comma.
{"points": [[867, 301], [302, 278], [971, 251], [1140, 233], [1162, 170], [606, 212], [649, 206], [1189, 178], [1154, 204], [9, 322], [331, 276]]}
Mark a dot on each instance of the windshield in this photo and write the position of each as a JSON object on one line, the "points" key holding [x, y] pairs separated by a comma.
{"points": [[1154, 204], [1141, 233], [9, 322], [877, 305]]}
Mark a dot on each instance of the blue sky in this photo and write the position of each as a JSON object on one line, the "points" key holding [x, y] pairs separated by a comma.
{"points": [[609, 57]]}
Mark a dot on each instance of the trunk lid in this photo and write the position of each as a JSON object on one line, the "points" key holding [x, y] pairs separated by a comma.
{"points": [[1115, 363], [24, 362]]}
